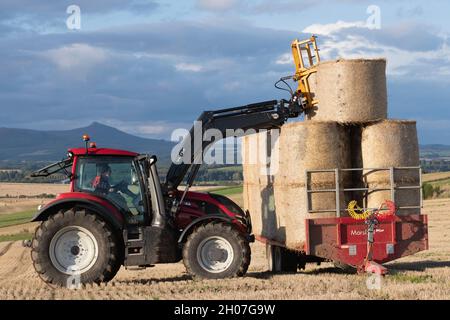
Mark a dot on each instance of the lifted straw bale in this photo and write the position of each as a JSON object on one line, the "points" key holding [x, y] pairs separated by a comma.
{"points": [[350, 91]]}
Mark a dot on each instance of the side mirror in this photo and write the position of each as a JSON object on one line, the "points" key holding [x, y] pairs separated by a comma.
{"points": [[153, 160], [134, 178]]}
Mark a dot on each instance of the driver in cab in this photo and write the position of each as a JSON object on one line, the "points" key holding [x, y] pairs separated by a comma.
{"points": [[101, 181], [101, 184]]}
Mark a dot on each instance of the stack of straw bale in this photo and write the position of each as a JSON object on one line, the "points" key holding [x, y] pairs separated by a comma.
{"points": [[348, 129]]}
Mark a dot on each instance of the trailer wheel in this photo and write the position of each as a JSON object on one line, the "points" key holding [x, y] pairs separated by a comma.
{"points": [[280, 259], [74, 248], [215, 251]]}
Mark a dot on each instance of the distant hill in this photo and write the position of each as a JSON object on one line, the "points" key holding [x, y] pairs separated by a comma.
{"points": [[434, 151], [36, 145]]}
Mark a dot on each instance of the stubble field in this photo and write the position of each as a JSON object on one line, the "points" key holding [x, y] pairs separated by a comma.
{"points": [[425, 275]]}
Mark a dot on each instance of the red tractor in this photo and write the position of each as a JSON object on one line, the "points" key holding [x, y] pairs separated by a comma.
{"points": [[118, 212]]}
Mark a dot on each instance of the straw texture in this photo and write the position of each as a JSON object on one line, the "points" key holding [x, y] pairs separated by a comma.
{"points": [[278, 202], [391, 143], [350, 91]]}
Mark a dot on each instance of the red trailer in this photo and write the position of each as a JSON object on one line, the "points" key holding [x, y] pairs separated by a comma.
{"points": [[347, 241]]}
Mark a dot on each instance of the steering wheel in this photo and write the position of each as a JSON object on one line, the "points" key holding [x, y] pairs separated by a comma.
{"points": [[121, 186]]}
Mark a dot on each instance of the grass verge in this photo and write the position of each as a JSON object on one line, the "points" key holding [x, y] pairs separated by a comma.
{"points": [[13, 219], [16, 237], [412, 278], [228, 191]]}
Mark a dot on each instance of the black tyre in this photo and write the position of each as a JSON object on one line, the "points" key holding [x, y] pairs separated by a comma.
{"points": [[215, 251], [75, 248], [280, 259]]}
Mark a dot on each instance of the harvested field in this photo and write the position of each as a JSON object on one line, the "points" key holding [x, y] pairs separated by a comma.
{"points": [[21, 190], [435, 176], [20, 197], [31, 189], [425, 275]]}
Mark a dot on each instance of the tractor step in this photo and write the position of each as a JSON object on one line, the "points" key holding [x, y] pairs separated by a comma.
{"points": [[138, 268], [134, 246], [149, 245]]}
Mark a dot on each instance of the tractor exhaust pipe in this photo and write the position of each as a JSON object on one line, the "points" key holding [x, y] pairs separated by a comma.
{"points": [[157, 199]]}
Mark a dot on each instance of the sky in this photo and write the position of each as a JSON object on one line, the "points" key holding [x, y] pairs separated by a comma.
{"points": [[149, 67]]}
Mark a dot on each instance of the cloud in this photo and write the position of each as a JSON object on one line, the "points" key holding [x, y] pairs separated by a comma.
{"points": [[285, 58], [332, 28], [410, 48], [44, 16], [408, 12], [46, 8], [149, 128], [136, 74], [216, 5], [150, 78], [77, 57], [190, 67], [283, 6], [267, 7]]}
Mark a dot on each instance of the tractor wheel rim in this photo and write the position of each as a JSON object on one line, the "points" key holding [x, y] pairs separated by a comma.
{"points": [[73, 250], [215, 254]]}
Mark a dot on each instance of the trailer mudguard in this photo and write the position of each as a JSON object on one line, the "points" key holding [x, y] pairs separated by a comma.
{"points": [[114, 218], [200, 220]]}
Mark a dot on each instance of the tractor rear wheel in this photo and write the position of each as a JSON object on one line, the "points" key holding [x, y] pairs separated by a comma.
{"points": [[280, 259], [216, 250], [72, 248]]}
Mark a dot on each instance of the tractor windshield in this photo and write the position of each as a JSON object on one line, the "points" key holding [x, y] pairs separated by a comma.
{"points": [[115, 178]]}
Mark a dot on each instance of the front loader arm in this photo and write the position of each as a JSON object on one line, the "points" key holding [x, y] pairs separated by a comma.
{"points": [[263, 115]]}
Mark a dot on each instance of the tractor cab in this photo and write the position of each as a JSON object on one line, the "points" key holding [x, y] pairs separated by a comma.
{"points": [[110, 174], [116, 178]]}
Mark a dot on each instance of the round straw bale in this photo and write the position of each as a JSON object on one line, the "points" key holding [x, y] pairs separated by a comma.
{"points": [[256, 153], [260, 202], [291, 209], [277, 201], [312, 145], [391, 143], [300, 146], [312, 81], [350, 91], [258, 184]]}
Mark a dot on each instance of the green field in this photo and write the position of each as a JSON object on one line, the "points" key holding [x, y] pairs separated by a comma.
{"points": [[228, 191], [16, 237], [436, 185], [13, 219]]}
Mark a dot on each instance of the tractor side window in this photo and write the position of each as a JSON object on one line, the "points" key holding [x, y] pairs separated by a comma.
{"points": [[113, 178]]}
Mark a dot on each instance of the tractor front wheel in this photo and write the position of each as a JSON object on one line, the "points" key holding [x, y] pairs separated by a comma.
{"points": [[72, 248], [216, 250]]}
